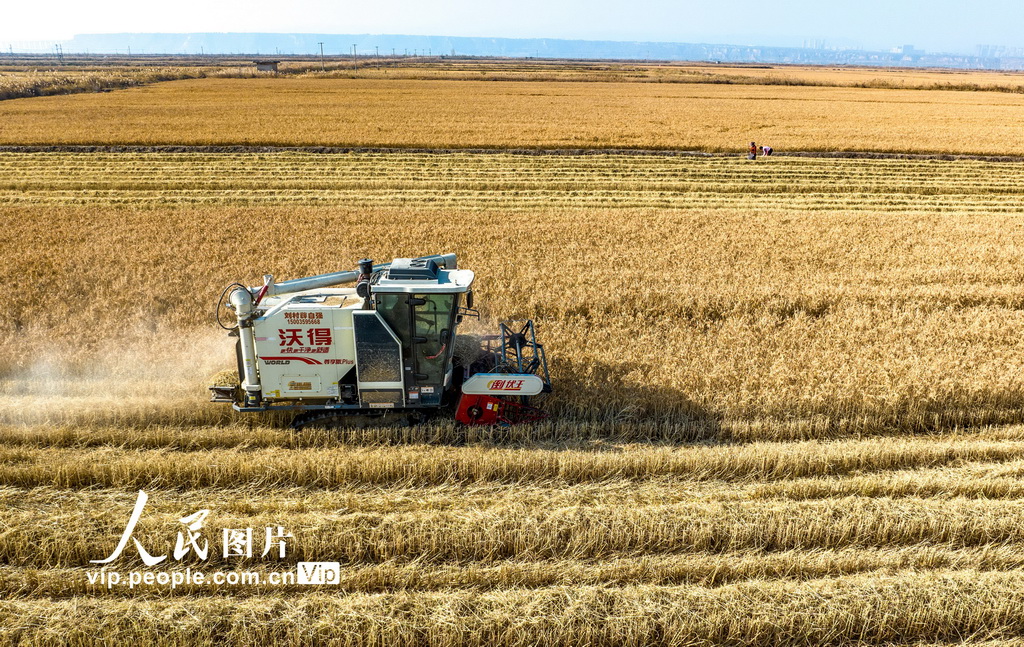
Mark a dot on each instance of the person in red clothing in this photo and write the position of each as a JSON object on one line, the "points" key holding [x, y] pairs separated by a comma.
{"points": [[753, 151]]}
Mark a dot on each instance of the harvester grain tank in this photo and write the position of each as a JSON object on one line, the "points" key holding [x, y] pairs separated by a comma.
{"points": [[385, 346]]}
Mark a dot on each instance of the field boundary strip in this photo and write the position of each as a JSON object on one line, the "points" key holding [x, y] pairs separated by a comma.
{"points": [[333, 150]]}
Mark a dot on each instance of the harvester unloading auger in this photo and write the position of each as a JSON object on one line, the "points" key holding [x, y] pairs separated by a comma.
{"points": [[385, 346]]}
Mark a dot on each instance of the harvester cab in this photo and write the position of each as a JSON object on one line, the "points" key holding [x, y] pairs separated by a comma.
{"points": [[386, 345]]}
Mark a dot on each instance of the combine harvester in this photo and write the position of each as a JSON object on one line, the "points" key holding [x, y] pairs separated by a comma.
{"points": [[384, 347]]}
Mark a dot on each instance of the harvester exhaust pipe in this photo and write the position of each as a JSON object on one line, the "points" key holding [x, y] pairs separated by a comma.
{"points": [[363, 285]]}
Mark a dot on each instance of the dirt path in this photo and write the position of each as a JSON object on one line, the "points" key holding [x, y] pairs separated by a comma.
{"points": [[500, 151]]}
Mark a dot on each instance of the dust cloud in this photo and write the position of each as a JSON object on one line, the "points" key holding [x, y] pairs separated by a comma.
{"points": [[145, 375]]}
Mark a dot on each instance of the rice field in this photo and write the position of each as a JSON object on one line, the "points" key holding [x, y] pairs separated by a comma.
{"points": [[787, 402], [776, 296], [433, 114], [41, 75]]}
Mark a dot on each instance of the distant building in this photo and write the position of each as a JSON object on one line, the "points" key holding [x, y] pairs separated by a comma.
{"points": [[266, 66]]}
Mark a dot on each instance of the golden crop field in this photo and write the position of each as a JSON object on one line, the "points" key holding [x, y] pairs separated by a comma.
{"points": [[787, 402], [931, 79], [666, 72], [290, 111], [42, 75], [660, 72]]}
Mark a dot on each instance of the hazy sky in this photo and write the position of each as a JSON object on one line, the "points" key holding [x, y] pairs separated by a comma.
{"points": [[934, 25]]}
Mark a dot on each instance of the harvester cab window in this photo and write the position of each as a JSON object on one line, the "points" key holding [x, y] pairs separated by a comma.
{"points": [[432, 331], [425, 324], [395, 310]]}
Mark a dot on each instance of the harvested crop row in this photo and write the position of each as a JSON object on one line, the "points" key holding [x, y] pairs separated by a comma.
{"points": [[510, 201], [944, 605], [973, 445], [523, 530], [423, 466], [701, 569], [490, 179]]}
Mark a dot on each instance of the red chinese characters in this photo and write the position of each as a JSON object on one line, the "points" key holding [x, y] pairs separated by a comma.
{"points": [[305, 340], [319, 336], [505, 385]]}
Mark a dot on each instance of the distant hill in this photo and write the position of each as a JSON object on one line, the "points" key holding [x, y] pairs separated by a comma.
{"points": [[401, 45]]}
